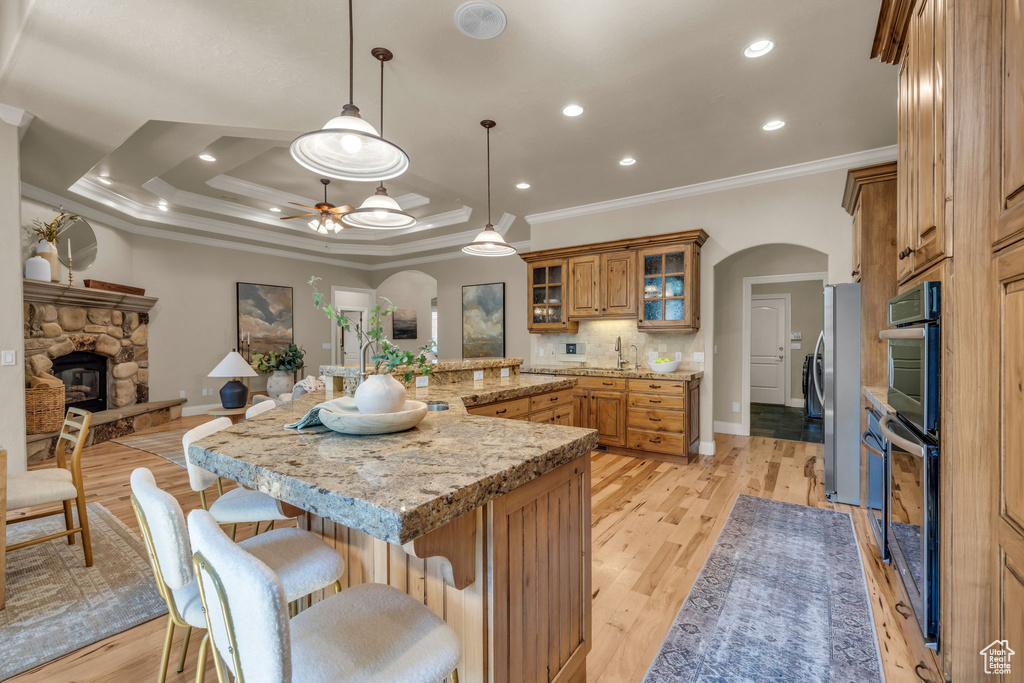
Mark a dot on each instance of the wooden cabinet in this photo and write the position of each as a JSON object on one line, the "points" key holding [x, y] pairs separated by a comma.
{"points": [[555, 407], [546, 291], [600, 403], [608, 280], [1009, 112], [669, 283]]}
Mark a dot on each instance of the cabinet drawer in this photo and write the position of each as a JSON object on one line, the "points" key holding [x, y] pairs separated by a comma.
{"points": [[604, 383], [520, 406], [657, 420], [658, 401], [657, 386], [659, 442], [547, 415], [551, 399]]}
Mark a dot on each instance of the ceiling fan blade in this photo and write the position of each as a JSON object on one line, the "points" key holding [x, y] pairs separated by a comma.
{"points": [[303, 206], [344, 208], [285, 218]]}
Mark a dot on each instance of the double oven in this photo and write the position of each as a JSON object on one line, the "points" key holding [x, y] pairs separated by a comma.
{"points": [[903, 472]]}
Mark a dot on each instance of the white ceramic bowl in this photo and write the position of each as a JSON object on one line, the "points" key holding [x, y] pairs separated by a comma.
{"points": [[348, 420], [663, 367]]}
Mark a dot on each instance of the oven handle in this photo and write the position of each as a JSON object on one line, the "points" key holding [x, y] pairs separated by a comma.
{"points": [[904, 333], [909, 446]]}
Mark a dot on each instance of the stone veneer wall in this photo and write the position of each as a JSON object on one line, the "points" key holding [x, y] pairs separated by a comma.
{"points": [[55, 330]]}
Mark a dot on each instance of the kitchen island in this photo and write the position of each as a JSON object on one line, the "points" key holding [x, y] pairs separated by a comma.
{"points": [[485, 520]]}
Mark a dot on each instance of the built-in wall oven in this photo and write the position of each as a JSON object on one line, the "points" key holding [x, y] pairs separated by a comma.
{"points": [[912, 436], [878, 481]]}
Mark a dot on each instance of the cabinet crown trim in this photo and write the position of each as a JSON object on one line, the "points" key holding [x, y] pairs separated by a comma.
{"points": [[856, 178]]}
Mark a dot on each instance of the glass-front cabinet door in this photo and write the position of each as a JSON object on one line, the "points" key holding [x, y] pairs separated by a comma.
{"points": [[547, 291], [669, 278]]}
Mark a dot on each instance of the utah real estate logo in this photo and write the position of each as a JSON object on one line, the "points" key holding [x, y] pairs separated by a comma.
{"points": [[997, 657]]}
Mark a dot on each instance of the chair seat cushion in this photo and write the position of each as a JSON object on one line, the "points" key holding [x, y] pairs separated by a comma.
{"points": [[239, 505], [371, 632], [38, 487], [302, 561]]}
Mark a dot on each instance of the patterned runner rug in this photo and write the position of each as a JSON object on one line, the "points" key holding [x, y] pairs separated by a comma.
{"points": [[56, 605], [781, 597], [165, 444]]}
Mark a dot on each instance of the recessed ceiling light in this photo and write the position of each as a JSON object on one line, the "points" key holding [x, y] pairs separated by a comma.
{"points": [[573, 110], [523, 186], [275, 209], [207, 157], [773, 125], [105, 180], [759, 48], [162, 207], [628, 161]]}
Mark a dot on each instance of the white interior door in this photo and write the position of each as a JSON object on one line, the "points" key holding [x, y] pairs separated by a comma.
{"points": [[349, 340], [769, 336]]}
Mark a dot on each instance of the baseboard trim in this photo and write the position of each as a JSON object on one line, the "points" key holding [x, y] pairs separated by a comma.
{"points": [[795, 403], [734, 428], [707, 448], [189, 411]]}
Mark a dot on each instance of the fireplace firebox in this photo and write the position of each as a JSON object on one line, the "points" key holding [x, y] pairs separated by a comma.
{"points": [[85, 380]]}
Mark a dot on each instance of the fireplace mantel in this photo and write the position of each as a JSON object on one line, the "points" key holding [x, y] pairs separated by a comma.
{"points": [[37, 291]]}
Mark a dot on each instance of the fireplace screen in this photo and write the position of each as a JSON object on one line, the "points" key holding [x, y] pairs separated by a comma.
{"points": [[85, 380]]}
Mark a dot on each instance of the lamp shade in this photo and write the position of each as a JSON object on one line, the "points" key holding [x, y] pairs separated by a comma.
{"points": [[489, 242], [379, 212], [233, 365], [349, 148]]}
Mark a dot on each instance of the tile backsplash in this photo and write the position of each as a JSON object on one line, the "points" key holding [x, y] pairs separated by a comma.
{"points": [[600, 335]]}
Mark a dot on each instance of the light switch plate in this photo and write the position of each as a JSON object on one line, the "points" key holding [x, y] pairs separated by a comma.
{"points": [[181, 394], [735, 407], [326, 346], [478, 374], [504, 372], [795, 346], [422, 381], [10, 358], [540, 351], [698, 356], [796, 336]]}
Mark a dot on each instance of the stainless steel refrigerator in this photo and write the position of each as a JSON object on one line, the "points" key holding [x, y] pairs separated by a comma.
{"points": [[838, 387]]}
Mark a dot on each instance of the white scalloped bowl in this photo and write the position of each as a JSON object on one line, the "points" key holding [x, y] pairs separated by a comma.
{"points": [[664, 367], [348, 420]]}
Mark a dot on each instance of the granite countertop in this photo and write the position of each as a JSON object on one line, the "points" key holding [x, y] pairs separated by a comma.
{"points": [[397, 487], [450, 365], [879, 399], [680, 375]]}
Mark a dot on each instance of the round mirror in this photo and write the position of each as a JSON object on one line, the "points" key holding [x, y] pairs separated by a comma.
{"points": [[81, 240]]}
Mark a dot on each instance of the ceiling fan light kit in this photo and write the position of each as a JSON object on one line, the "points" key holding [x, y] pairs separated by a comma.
{"points": [[489, 241], [327, 215]]}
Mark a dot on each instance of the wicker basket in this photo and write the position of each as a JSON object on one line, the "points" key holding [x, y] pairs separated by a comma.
{"points": [[44, 409]]}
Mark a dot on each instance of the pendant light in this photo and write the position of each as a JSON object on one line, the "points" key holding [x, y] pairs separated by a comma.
{"points": [[379, 211], [489, 242], [327, 215], [348, 147]]}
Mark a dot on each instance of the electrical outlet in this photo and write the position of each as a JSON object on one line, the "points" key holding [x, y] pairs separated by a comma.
{"points": [[181, 394], [478, 374], [504, 372], [540, 351], [698, 356], [716, 349], [326, 346], [422, 381], [735, 407], [10, 358]]}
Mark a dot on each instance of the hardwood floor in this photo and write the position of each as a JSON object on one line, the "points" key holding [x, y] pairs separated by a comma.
{"points": [[654, 524]]}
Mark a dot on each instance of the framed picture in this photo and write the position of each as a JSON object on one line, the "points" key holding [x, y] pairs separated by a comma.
{"points": [[483, 321], [264, 318], [404, 324]]}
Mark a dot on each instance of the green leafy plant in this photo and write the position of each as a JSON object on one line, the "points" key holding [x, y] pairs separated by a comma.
{"points": [[50, 232], [385, 354], [289, 359]]}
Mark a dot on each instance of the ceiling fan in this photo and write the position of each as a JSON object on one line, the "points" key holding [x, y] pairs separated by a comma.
{"points": [[328, 216]]}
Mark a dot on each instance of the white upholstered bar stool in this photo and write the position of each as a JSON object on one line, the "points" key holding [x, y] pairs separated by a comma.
{"points": [[259, 408], [237, 506], [303, 561], [369, 632]]}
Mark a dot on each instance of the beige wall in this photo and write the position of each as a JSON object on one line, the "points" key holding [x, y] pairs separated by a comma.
{"points": [[193, 325], [12, 331], [807, 307], [451, 275], [800, 211], [414, 290]]}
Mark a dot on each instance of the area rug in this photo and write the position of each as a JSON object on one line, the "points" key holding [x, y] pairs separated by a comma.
{"points": [[165, 444], [56, 605], [781, 597]]}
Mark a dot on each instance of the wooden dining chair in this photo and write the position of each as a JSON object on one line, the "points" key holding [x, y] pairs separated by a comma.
{"points": [[60, 484]]}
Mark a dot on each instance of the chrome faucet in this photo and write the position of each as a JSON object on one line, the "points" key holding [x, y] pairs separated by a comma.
{"points": [[636, 357], [618, 350]]}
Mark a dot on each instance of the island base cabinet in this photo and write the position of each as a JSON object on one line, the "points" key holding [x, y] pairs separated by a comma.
{"points": [[525, 614]]}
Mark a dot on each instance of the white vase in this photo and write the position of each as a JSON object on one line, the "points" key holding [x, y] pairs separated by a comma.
{"points": [[37, 268], [48, 251], [380, 394], [279, 382]]}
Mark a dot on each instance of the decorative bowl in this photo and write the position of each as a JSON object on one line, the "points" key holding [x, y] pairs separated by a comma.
{"points": [[348, 420], [663, 367]]}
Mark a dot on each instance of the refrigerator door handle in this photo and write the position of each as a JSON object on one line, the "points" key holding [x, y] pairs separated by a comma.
{"points": [[814, 369]]}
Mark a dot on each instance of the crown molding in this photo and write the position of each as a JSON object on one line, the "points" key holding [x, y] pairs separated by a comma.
{"points": [[16, 117], [270, 195], [842, 162], [519, 246]]}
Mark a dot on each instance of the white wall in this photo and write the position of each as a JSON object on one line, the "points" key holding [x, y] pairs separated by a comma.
{"points": [[12, 330], [804, 211], [410, 289]]}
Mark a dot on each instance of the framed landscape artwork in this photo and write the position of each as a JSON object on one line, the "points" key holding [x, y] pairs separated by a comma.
{"points": [[483, 321], [404, 323], [264, 318]]}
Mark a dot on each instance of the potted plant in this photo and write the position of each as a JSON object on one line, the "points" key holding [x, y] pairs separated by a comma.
{"points": [[281, 365], [380, 392], [49, 236]]}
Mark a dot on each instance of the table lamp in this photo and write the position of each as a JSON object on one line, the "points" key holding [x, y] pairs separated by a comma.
{"points": [[234, 394]]}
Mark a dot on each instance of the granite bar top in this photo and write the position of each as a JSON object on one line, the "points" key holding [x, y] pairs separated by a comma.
{"points": [[397, 487], [449, 365], [681, 375], [878, 397]]}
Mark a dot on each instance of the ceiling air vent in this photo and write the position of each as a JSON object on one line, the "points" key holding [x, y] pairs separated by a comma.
{"points": [[480, 19]]}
